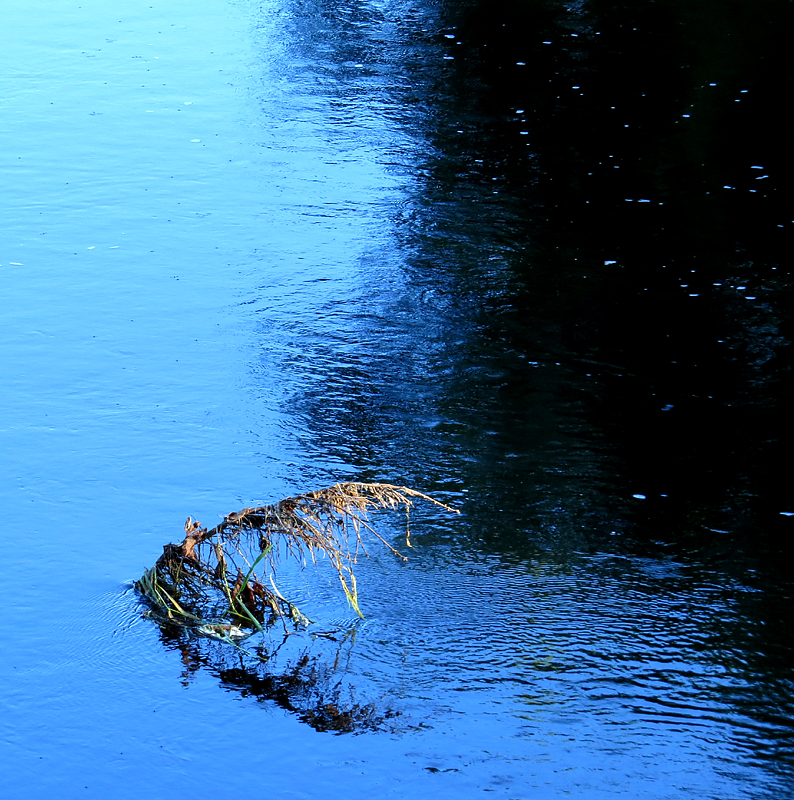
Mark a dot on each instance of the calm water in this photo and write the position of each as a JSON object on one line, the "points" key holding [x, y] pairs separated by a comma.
{"points": [[534, 260]]}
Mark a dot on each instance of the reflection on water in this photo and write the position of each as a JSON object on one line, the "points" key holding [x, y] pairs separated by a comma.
{"points": [[579, 334], [529, 257], [305, 682]]}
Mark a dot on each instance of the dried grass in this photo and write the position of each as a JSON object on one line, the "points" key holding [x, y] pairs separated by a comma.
{"points": [[221, 582]]}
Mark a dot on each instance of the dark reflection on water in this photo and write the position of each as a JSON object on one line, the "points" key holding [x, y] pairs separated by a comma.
{"points": [[306, 679], [578, 328], [554, 306]]}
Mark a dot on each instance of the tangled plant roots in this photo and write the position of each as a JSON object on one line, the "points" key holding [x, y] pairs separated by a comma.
{"points": [[220, 583]]}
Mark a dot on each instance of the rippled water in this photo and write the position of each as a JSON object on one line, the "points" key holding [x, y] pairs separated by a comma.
{"points": [[250, 249]]}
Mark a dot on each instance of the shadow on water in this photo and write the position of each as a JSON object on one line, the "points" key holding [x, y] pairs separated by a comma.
{"points": [[578, 326], [594, 294]]}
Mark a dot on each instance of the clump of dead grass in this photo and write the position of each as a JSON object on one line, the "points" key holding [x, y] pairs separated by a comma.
{"points": [[221, 582]]}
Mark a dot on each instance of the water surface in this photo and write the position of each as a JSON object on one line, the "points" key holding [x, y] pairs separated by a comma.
{"points": [[531, 260]]}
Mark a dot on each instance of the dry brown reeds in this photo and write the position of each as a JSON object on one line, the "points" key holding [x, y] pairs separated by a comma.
{"points": [[221, 582]]}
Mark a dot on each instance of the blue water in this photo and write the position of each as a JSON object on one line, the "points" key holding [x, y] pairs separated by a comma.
{"points": [[226, 280]]}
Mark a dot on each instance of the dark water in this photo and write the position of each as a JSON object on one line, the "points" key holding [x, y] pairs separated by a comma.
{"points": [[532, 258]]}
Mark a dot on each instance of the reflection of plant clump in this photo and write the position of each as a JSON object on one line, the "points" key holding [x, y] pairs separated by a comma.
{"points": [[219, 586], [308, 688], [311, 685], [220, 583]]}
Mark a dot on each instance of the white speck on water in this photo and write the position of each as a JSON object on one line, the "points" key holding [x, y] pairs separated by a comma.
{"points": [[639, 496], [610, 262], [188, 103], [195, 140], [16, 264], [93, 247]]}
